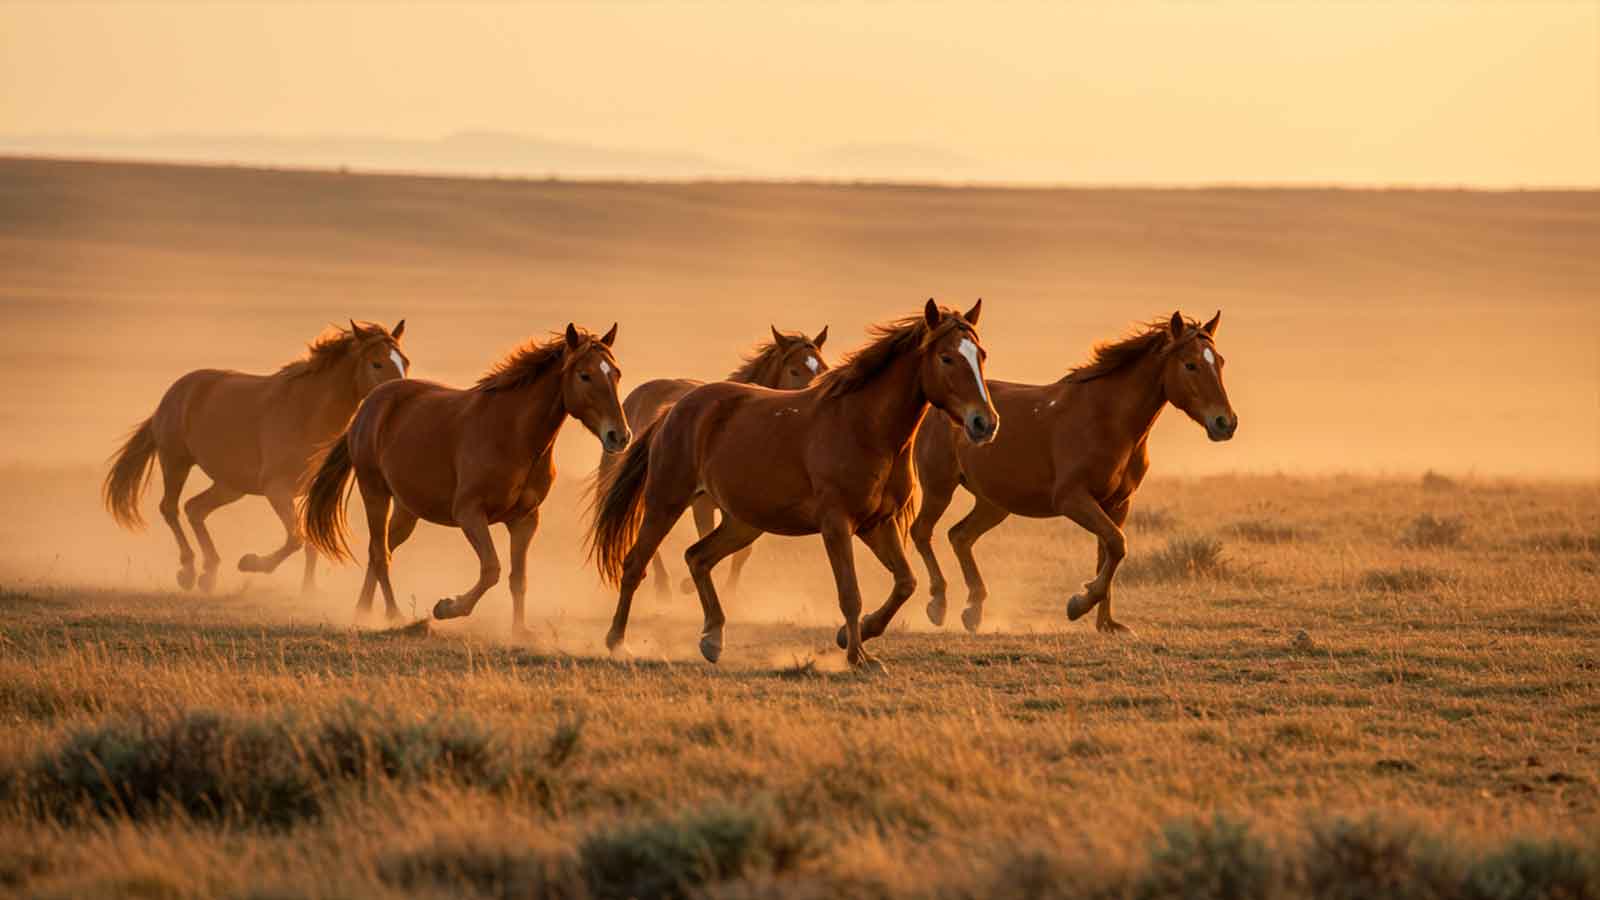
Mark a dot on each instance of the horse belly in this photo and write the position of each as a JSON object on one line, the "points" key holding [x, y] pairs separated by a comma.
{"points": [[218, 417]]}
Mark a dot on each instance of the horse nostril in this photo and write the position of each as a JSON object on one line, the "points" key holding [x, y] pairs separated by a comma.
{"points": [[1222, 423]]}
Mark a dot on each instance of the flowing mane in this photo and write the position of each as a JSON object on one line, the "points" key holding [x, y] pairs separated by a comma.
{"points": [[890, 341], [324, 352], [757, 366], [528, 363], [1114, 356]]}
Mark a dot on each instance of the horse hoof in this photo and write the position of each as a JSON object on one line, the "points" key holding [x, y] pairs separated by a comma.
{"points": [[620, 652], [446, 609], [971, 618], [842, 638], [936, 611], [186, 578], [711, 647], [250, 563], [1077, 606], [208, 580]]}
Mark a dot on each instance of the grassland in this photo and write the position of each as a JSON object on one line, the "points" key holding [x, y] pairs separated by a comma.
{"points": [[1340, 687]]}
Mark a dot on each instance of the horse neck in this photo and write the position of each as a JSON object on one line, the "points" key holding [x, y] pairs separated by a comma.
{"points": [[534, 413], [887, 411], [1132, 399], [327, 398]]}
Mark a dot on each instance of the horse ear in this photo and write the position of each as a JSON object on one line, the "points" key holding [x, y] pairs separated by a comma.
{"points": [[398, 329], [355, 330], [610, 337], [821, 338], [777, 336], [1210, 327], [1176, 324], [572, 336], [931, 313], [972, 314]]}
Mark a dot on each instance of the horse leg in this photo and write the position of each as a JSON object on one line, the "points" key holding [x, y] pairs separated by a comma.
{"points": [[521, 532], [281, 498], [652, 531], [475, 525], [705, 520], [935, 500], [1084, 510], [984, 516], [702, 556], [308, 581], [662, 580], [174, 472], [199, 506], [884, 542], [376, 501], [1103, 621], [402, 522], [836, 537]]}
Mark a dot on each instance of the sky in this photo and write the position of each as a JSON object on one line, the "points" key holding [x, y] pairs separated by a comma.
{"points": [[1365, 92]]}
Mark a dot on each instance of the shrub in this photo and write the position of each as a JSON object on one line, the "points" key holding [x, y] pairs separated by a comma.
{"points": [[1401, 580], [1203, 860], [671, 858], [1529, 870], [1181, 558], [1433, 481], [1432, 531], [1348, 860]]}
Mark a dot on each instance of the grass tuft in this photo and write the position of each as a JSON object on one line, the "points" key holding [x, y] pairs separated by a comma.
{"points": [[1263, 531], [1433, 532], [675, 857], [1183, 558], [1220, 858]]}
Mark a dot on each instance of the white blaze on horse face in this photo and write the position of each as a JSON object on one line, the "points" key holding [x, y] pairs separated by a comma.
{"points": [[970, 350], [399, 362], [1210, 357], [605, 368], [813, 364]]}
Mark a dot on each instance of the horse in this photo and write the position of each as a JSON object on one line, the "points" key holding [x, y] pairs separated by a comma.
{"points": [[833, 459], [465, 458], [1076, 448], [787, 363], [253, 434]]}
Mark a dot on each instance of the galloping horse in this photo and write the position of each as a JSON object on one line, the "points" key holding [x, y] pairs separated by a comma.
{"points": [[833, 459], [253, 434], [465, 458], [787, 363], [1076, 448]]}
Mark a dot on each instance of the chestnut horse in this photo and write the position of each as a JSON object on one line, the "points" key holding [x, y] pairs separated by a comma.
{"points": [[833, 459], [253, 434], [1076, 448], [787, 363], [466, 458]]}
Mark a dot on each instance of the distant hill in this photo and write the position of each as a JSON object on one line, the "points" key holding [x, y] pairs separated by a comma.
{"points": [[464, 153]]}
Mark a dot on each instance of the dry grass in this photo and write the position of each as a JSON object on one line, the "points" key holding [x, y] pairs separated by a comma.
{"points": [[1332, 725]]}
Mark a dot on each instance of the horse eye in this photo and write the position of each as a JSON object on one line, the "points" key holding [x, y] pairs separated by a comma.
{"points": [[583, 376], [946, 360], [377, 365], [1189, 366]]}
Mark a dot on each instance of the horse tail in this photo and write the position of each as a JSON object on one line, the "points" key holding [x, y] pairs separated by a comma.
{"points": [[617, 506], [906, 513], [129, 475], [323, 521]]}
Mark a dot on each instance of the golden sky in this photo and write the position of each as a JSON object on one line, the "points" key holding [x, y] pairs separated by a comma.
{"points": [[1476, 93]]}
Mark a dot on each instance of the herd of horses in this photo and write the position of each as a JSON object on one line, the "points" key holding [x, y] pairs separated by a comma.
{"points": [[787, 445]]}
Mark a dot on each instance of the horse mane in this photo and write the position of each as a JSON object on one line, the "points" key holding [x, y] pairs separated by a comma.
{"points": [[324, 352], [1114, 356], [528, 363], [756, 366], [891, 340]]}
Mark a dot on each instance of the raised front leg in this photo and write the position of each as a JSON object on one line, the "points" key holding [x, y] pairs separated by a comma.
{"points": [[702, 557], [522, 532], [198, 508], [1103, 621], [935, 500], [984, 516], [836, 537], [884, 542], [475, 525], [1084, 510], [281, 498]]}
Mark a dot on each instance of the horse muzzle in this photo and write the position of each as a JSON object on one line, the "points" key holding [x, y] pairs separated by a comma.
{"points": [[614, 439], [1221, 427], [981, 426]]}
